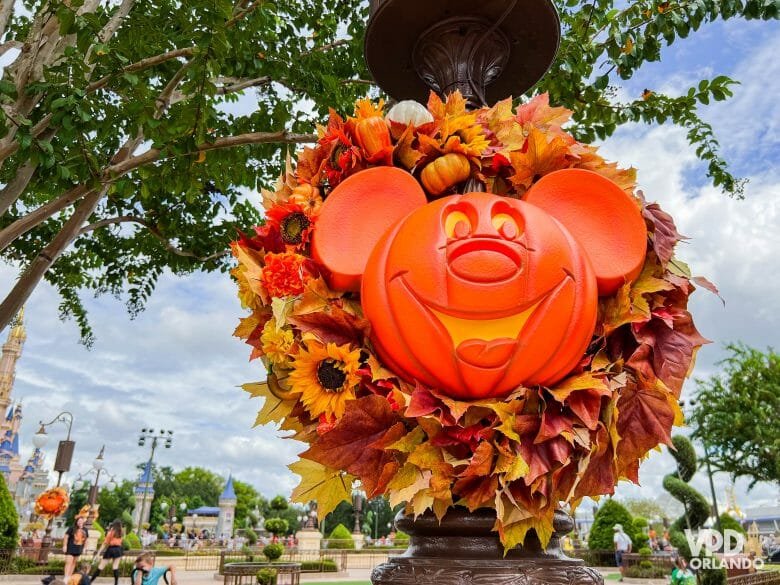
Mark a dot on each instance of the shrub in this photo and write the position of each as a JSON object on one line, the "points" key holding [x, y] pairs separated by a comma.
{"points": [[266, 577], [341, 538], [323, 566], [401, 539], [251, 537], [273, 552], [9, 519], [277, 526], [645, 552], [601, 534], [279, 503], [646, 564], [132, 542], [729, 523], [646, 572]]}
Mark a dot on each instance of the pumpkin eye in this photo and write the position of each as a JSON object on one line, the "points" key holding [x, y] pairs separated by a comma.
{"points": [[457, 225], [506, 225]]}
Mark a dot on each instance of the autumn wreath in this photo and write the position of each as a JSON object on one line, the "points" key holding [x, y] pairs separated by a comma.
{"points": [[523, 455], [52, 503]]}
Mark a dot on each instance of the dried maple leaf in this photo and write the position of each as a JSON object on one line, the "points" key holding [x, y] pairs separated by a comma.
{"points": [[274, 408], [335, 325], [328, 487], [664, 234], [540, 155], [356, 444], [537, 112]]}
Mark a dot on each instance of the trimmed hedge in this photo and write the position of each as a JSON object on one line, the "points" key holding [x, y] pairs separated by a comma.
{"points": [[9, 519], [323, 566], [341, 538]]}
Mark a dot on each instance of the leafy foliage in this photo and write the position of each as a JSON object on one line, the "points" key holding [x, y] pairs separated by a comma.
{"points": [[277, 526], [341, 538], [610, 513], [730, 523], [9, 519], [116, 504], [131, 541], [273, 551], [645, 507], [735, 414], [132, 115]]}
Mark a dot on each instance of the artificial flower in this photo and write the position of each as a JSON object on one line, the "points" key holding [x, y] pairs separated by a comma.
{"points": [[284, 274], [292, 222], [277, 343], [326, 377], [372, 132], [308, 197], [344, 157]]}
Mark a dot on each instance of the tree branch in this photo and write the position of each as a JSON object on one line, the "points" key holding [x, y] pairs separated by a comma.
{"points": [[8, 45], [155, 232], [328, 47], [16, 186], [142, 64]]}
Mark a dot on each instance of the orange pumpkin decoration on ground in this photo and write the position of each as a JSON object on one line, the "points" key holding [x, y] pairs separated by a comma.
{"points": [[52, 503], [478, 294]]}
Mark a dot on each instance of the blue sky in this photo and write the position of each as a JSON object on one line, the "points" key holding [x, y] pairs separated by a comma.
{"points": [[176, 366]]}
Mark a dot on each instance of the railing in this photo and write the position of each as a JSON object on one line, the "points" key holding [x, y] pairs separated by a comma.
{"points": [[51, 561], [659, 560], [759, 578], [593, 558]]}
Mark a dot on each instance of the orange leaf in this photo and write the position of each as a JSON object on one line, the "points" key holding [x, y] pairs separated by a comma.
{"points": [[356, 444], [539, 157], [481, 462], [537, 112]]}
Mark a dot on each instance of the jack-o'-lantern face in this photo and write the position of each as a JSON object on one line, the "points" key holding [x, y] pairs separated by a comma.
{"points": [[479, 294], [472, 294]]}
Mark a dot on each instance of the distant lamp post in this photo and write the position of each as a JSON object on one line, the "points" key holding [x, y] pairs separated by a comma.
{"points": [[61, 463], [691, 403], [357, 506], [98, 467], [156, 437]]}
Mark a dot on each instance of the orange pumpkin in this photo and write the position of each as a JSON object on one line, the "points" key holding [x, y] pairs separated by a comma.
{"points": [[373, 136], [52, 502], [445, 172], [476, 295]]}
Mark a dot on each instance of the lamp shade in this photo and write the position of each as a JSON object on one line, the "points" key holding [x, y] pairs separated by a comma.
{"points": [[40, 439]]}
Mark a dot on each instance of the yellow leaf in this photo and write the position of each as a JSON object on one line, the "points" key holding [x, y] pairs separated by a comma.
{"points": [[281, 310], [584, 381], [201, 157], [409, 442], [315, 297], [647, 284], [519, 468], [407, 483], [247, 326], [274, 409], [541, 156], [515, 534], [328, 487]]}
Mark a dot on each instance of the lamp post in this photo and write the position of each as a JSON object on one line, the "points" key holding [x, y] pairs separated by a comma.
{"points": [[357, 506], [692, 403], [155, 438], [170, 511], [61, 463], [98, 467]]}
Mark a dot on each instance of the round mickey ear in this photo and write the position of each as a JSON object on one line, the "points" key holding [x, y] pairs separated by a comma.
{"points": [[606, 222], [356, 215]]}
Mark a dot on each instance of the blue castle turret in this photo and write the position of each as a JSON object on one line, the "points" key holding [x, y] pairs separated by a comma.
{"points": [[227, 510]]}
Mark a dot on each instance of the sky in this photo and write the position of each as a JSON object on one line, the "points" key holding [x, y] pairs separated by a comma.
{"points": [[177, 367]]}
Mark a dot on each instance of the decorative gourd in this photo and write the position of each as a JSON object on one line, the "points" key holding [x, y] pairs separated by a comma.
{"points": [[476, 294], [405, 113], [373, 136], [445, 172]]}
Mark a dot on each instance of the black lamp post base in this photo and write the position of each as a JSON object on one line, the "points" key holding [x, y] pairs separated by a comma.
{"points": [[464, 550]]}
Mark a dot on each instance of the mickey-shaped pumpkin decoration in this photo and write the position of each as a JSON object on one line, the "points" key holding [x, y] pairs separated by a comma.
{"points": [[52, 503], [478, 294]]}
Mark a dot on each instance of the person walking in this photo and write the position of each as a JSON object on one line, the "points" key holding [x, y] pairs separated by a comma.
{"points": [[111, 551], [681, 574], [73, 544], [622, 546]]}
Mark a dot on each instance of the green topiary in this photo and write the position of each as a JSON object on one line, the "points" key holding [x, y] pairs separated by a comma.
{"points": [[697, 508], [727, 522], [132, 542], [273, 551], [645, 552], [602, 533], [266, 577], [251, 536], [277, 526], [9, 520], [341, 538], [401, 539]]}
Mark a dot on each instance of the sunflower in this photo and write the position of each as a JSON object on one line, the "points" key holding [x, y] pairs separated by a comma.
{"points": [[292, 221], [326, 376], [277, 343]]}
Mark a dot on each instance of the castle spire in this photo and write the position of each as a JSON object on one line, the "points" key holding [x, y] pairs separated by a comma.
{"points": [[12, 351]]}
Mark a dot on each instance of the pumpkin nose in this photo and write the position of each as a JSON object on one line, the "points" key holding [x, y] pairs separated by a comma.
{"points": [[484, 266]]}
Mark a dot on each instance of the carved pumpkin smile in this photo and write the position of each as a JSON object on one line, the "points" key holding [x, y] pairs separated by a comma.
{"points": [[476, 295]]}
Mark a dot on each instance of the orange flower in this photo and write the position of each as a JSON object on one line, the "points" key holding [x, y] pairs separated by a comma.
{"points": [[284, 274], [292, 222], [344, 157]]}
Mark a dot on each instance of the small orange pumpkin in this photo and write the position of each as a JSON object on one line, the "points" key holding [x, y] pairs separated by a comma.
{"points": [[308, 197], [373, 136], [445, 172]]}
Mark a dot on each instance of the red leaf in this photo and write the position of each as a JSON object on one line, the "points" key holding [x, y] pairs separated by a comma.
{"points": [[586, 404], [334, 326], [600, 476], [645, 419], [356, 443], [554, 422], [665, 235], [476, 491], [704, 283], [424, 403], [673, 348]]}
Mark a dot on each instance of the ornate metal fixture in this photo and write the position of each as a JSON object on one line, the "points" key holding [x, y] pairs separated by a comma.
{"points": [[488, 50]]}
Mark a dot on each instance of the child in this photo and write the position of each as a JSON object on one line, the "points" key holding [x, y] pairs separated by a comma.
{"points": [[681, 574], [80, 577], [147, 574]]}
